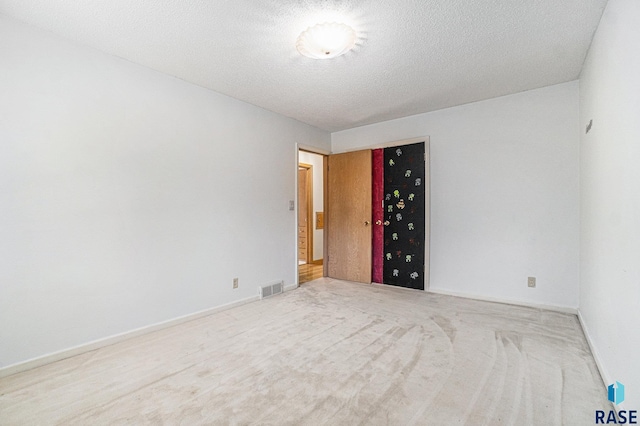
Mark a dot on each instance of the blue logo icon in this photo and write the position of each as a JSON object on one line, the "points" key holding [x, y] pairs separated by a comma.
{"points": [[616, 394]]}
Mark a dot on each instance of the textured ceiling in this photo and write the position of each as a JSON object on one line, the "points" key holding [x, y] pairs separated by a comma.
{"points": [[412, 56]]}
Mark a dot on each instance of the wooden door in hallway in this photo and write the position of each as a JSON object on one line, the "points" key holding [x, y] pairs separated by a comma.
{"points": [[349, 216], [305, 207]]}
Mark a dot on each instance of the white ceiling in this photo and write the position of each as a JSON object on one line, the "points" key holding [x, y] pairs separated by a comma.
{"points": [[412, 56]]}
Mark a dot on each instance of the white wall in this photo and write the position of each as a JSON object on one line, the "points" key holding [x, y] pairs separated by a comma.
{"points": [[610, 196], [318, 199], [504, 193], [129, 197]]}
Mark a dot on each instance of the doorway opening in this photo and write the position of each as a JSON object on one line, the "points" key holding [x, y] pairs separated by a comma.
{"points": [[310, 232]]}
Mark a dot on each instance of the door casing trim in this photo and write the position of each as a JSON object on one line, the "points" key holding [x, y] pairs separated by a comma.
{"points": [[324, 154]]}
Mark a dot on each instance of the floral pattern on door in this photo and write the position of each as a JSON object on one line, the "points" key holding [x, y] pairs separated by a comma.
{"points": [[404, 214]]}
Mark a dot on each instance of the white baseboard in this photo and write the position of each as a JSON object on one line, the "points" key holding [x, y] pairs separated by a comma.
{"points": [[290, 287], [100, 343], [556, 308], [604, 375]]}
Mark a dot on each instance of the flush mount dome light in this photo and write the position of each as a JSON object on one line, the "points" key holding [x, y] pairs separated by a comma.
{"points": [[325, 41]]}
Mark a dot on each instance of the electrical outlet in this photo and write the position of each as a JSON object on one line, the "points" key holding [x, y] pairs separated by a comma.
{"points": [[235, 283], [531, 281]]}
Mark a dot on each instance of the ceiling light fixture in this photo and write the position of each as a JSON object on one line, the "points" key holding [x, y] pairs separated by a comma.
{"points": [[325, 41]]}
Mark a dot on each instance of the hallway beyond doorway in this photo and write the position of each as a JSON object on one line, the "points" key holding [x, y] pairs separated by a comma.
{"points": [[309, 272]]}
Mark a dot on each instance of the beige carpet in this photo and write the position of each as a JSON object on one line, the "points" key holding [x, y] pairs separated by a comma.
{"points": [[332, 353]]}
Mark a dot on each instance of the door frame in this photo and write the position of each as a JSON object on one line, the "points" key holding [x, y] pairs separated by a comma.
{"points": [[309, 201], [427, 197], [324, 153]]}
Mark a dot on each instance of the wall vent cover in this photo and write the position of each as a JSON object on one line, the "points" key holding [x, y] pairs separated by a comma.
{"points": [[271, 289]]}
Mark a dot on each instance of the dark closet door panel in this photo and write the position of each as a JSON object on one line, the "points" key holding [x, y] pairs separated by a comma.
{"points": [[404, 212]]}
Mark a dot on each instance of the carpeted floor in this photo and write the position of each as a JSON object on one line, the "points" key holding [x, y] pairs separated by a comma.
{"points": [[332, 353]]}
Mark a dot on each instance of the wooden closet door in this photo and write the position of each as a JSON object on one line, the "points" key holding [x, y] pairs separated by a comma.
{"points": [[349, 216]]}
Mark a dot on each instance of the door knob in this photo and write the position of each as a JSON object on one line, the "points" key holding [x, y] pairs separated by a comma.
{"points": [[378, 222], [366, 223]]}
